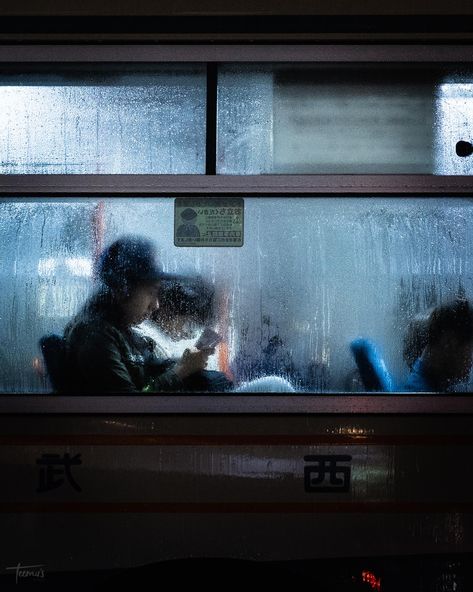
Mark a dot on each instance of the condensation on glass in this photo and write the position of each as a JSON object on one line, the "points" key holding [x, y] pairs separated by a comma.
{"points": [[345, 119], [454, 123], [313, 274], [67, 120]]}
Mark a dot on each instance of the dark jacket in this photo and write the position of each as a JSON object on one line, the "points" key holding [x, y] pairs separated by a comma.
{"points": [[105, 357]]}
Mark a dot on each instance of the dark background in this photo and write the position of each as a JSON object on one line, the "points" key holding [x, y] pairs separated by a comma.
{"points": [[257, 21]]}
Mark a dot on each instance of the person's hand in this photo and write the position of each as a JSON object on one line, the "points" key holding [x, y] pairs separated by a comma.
{"points": [[192, 361]]}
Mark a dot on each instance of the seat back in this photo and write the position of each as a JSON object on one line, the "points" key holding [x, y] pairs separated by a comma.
{"points": [[373, 371], [53, 348]]}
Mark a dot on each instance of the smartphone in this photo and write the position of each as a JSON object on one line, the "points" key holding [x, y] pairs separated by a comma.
{"points": [[208, 340]]}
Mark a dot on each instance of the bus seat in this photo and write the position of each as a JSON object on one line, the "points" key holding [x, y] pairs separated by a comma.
{"points": [[53, 348], [373, 371]]}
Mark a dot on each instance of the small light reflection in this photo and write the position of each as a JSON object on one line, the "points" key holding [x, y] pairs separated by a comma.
{"points": [[38, 366], [77, 266], [369, 578], [80, 266], [351, 430], [117, 423]]}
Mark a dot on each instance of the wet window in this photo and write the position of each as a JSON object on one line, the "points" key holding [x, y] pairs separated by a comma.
{"points": [[343, 119], [105, 119], [313, 275], [296, 119]]}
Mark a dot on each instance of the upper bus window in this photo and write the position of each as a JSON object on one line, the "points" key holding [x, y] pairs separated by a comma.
{"points": [[106, 119], [312, 276], [345, 119]]}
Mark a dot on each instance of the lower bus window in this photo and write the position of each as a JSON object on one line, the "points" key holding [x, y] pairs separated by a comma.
{"points": [[325, 295]]}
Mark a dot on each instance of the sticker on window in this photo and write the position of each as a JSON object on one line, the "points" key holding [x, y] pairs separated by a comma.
{"points": [[208, 222]]}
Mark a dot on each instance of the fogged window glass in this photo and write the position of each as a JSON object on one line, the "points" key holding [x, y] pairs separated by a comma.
{"points": [[103, 120], [362, 118], [313, 276]]}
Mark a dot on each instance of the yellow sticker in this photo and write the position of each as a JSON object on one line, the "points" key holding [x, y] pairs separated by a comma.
{"points": [[208, 222]]}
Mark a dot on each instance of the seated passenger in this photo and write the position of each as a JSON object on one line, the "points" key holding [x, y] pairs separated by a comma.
{"points": [[446, 359], [183, 311], [104, 352]]}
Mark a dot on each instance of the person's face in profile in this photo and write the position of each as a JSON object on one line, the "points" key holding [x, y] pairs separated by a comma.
{"points": [[141, 303]]}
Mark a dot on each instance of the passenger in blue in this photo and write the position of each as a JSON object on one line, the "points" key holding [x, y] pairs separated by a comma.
{"points": [[446, 358]]}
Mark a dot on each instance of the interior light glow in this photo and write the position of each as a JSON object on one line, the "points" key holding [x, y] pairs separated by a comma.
{"points": [[76, 266]]}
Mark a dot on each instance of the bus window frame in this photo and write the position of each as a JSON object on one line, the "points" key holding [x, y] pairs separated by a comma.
{"points": [[212, 185]]}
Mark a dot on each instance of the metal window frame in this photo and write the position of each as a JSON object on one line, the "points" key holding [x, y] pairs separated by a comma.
{"points": [[210, 184], [234, 185]]}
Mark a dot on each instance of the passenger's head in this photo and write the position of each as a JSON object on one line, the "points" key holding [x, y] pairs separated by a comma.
{"points": [[130, 272], [449, 346], [184, 308], [416, 338]]}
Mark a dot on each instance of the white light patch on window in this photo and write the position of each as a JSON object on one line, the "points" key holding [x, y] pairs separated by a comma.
{"points": [[46, 267], [453, 123], [79, 266], [76, 266]]}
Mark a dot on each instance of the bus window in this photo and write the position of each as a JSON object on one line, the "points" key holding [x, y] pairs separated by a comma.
{"points": [[359, 118], [86, 119], [312, 275]]}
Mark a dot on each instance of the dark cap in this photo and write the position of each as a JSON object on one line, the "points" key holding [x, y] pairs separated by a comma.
{"points": [[130, 260]]}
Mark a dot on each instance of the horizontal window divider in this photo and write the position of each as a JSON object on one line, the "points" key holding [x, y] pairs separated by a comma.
{"points": [[216, 185], [91, 38], [381, 52], [223, 404]]}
